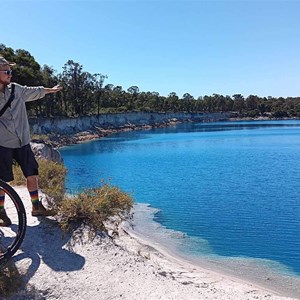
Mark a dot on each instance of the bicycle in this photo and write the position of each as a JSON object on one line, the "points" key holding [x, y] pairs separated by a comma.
{"points": [[12, 237]]}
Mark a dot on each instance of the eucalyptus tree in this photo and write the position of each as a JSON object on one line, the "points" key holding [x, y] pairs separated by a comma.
{"points": [[186, 103], [154, 101], [229, 103], [98, 89], [133, 95], [208, 103], [239, 103], [133, 90], [88, 88], [7, 52], [105, 102], [27, 71], [296, 110], [173, 102], [264, 105], [118, 98], [76, 84], [219, 102], [187, 97], [251, 102], [199, 104], [52, 105], [142, 102]]}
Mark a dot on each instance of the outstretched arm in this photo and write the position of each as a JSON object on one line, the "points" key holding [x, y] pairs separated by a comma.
{"points": [[55, 89]]}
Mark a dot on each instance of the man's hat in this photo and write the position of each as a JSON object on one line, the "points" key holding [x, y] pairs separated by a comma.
{"points": [[4, 62]]}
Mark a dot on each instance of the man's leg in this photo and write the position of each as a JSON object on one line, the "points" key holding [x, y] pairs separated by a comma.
{"points": [[4, 219], [6, 174], [2, 197], [25, 157], [32, 186], [37, 207]]}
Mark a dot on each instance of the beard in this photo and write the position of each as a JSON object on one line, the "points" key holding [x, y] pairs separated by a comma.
{"points": [[5, 82]]}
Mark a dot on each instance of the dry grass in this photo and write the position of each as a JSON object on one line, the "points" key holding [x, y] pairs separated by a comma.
{"points": [[10, 281], [94, 207], [52, 179], [40, 137]]}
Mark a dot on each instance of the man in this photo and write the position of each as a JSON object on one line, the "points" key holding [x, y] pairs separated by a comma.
{"points": [[15, 137]]}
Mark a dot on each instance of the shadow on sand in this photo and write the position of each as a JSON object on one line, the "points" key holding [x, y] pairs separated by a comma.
{"points": [[45, 243]]}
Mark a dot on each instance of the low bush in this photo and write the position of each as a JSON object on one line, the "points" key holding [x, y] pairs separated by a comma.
{"points": [[94, 207]]}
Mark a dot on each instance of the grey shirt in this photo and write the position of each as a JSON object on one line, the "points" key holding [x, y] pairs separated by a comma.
{"points": [[14, 126]]}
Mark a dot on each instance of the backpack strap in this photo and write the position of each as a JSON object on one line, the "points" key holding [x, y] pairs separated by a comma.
{"points": [[10, 100]]}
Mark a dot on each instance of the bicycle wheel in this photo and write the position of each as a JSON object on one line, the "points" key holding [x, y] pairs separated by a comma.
{"points": [[12, 237]]}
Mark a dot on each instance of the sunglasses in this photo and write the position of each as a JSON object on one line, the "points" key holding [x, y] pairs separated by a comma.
{"points": [[7, 72]]}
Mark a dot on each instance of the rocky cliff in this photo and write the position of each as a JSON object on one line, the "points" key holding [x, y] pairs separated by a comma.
{"points": [[66, 131], [45, 151], [70, 126]]}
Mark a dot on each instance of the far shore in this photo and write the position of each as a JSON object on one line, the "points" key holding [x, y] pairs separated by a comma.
{"points": [[60, 140]]}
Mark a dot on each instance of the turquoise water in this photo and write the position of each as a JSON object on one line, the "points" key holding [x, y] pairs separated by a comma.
{"points": [[229, 189]]}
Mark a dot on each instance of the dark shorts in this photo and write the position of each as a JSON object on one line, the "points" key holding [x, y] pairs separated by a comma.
{"points": [[23, 156]]}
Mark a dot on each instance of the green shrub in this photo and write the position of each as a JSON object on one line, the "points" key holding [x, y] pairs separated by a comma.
{"points": [[94, 207]]}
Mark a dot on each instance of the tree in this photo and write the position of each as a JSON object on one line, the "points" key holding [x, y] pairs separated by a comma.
{"points": [[73, 81], [133, 91], [98, 89], [251, 102], [239, 103], [187, 97], [50, 107], [172, 102], [27, 71]]}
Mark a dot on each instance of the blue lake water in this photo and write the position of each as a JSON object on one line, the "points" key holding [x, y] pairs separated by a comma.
{"points": [[229, 189]]}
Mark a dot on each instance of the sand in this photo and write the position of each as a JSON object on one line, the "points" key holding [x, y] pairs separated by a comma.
{"points": [[124, 268]]}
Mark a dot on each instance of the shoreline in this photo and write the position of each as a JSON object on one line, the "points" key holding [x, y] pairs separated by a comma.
{"points": [[259, 272], [202, 267], [61, 140]]}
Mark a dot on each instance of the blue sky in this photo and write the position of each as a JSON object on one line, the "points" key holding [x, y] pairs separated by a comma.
{"points": [[196, 47]]}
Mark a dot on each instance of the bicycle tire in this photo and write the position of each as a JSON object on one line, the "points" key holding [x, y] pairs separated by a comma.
{"points": [[12, 237]]}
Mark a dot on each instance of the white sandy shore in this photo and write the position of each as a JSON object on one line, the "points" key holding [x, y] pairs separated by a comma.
{"points": [[127, 269]]}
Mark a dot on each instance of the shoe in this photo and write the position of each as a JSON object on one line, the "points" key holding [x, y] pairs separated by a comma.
{"points": [[4, 219], [41, 211]]}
